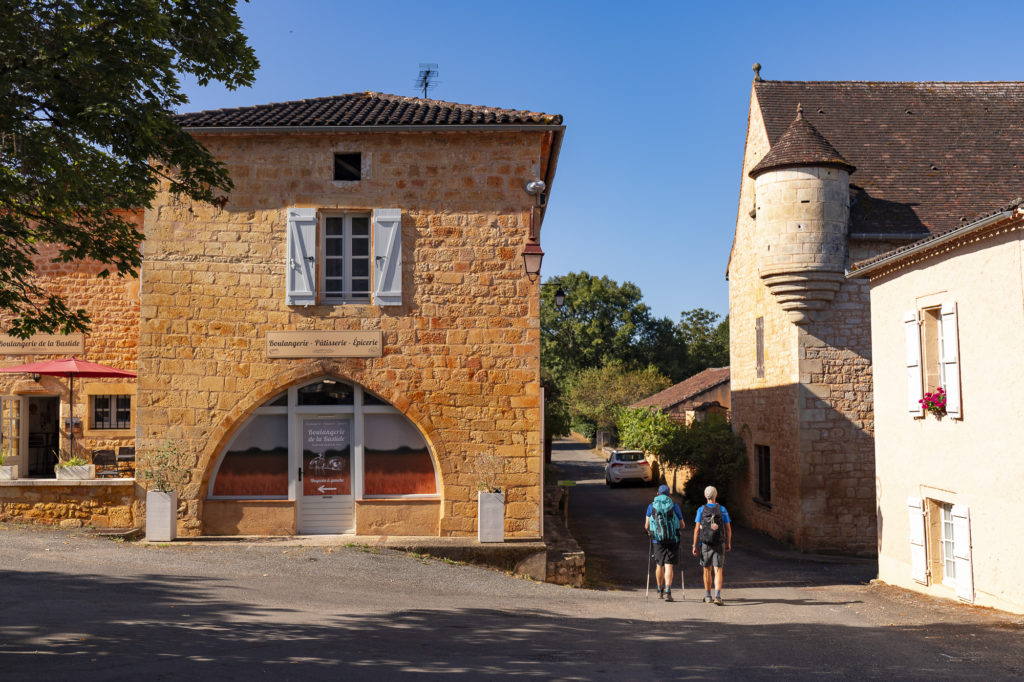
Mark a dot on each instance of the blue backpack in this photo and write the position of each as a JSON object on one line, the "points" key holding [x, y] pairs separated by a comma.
{"points": [[664, 524]]}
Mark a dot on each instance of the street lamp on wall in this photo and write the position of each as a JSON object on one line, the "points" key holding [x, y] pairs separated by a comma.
{"points": [[532, 257], [532, 253]]}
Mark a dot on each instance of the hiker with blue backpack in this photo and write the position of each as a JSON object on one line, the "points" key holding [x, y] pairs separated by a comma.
{"points": [[712, 538], [663, 522]]}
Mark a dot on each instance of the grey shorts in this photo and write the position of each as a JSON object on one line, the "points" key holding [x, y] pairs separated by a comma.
{"points": [[666, 553], [711, 555]]}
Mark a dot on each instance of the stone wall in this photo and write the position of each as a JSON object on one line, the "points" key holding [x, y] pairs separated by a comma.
{"points": [[72, 504], [813, 406], [112, 303], [461, 354]]}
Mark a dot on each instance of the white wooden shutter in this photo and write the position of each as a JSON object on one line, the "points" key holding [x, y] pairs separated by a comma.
{"points": [[951, 360], [962, 552], [915, 392], [301, 266], [387, 256], [918, 556]]}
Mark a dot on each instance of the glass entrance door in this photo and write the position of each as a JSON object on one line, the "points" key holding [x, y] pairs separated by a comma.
{"points": [[325, 472]]}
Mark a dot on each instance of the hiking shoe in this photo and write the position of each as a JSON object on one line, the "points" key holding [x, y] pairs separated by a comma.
{"points": [[668, 596], [661, 594], [708, 599], [718, 601]]}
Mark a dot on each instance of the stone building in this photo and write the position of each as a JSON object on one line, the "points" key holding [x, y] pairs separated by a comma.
{"points": [[343, 345], [835, 172], [692, 399], [947, 314]]}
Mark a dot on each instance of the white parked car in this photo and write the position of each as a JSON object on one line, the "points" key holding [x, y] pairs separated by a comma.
{"points": [[626, 465]]}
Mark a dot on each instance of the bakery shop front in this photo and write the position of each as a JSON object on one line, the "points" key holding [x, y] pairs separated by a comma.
{"points": [[339, 346]]}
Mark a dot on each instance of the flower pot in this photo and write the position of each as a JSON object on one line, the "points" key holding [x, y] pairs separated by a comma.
{"points": [[8, 472], [161, 515], [491, 517], [78, 472]]}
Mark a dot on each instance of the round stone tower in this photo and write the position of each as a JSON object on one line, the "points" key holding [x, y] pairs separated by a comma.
{"points": [[802, 204]]}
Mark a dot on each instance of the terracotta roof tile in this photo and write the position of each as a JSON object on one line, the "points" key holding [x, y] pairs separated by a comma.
{"points": [[687, 389], [362, 109], [801, 145], [927, 154], [856, 268]]}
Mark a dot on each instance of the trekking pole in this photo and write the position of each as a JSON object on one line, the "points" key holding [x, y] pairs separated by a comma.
{"points": [[650, 555]]}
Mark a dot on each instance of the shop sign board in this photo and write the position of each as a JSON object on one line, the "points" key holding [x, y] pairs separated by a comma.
{"points": [[326, 457], [43, 344], [324, 344]]}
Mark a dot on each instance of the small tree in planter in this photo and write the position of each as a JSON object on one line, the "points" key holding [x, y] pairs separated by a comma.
{"points": [[162, 472], [488, 470], [74, 469]]}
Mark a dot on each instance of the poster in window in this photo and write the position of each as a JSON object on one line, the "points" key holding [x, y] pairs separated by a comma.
{"points": [[326, 457]]}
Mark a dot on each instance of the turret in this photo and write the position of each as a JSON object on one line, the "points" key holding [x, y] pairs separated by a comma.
{"points": [[802, 190]]}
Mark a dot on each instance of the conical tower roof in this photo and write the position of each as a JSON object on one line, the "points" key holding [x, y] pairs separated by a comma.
{"points": [[801, 145]]}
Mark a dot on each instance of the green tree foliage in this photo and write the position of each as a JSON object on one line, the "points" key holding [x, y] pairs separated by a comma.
{"points": [[595, 395], [716, 453], [89, 89], [599, 323], [647, 429], [705, 338]]}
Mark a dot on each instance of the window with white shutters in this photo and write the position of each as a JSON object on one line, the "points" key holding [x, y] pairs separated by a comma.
{"points": [[337, 257], [918, 553], [933, 357]]}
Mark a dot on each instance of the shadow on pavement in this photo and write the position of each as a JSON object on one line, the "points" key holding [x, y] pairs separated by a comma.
{"points": [[164, 627]]}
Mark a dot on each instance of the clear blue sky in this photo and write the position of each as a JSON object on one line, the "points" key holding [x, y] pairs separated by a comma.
{"points": [[654, 95]]}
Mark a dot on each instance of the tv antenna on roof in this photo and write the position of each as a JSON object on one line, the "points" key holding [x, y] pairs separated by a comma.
{"points": [[427, 78]]}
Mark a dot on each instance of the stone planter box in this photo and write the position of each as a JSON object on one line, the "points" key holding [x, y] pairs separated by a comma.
{"points": [[491, 517], [8, 472], [76, 473], [161, 515]]}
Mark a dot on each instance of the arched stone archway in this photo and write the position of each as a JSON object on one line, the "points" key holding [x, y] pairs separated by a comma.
{"points": [[314, 450]]}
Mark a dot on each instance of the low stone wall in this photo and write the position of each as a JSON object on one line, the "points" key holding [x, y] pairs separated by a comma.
{"points": [[566, 561], [112, 503]]}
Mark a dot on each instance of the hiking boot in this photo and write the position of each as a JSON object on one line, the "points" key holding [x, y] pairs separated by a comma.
{"points": [[668, 596], [718, 601], [661, 594]]}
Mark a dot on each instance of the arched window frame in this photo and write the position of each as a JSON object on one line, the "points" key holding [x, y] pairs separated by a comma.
{"points": [[292, 410]]}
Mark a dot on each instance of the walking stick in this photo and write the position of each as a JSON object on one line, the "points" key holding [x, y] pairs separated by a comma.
{"points": [[650, 555]]}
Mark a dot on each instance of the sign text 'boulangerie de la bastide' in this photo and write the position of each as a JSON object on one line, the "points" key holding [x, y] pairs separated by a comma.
{"points": [[43, 344], [317, 344]]}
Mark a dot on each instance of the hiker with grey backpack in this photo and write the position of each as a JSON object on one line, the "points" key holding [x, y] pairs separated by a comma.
{"points": [[663, 523], [712, 538]]}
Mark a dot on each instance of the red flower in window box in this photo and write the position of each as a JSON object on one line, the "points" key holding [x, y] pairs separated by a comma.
{"points": [[934, 402]]}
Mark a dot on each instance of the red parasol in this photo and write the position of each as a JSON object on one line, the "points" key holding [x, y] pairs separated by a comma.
{"points": [[70, 368]]}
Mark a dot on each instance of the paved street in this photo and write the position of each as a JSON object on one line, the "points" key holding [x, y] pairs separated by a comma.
{"points": [[608, 523], [88, 608]]}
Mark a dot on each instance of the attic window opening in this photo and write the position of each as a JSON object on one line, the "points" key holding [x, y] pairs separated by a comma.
{"points": [[348, 166]]}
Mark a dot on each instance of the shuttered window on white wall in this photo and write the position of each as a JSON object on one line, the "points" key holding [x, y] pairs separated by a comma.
{"points": [[962, 553], [918, 554], [950, 360], [915, 379]]}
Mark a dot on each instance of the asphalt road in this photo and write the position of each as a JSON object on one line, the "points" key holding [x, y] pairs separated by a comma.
{"points": [[608, 524], [78, 607]]}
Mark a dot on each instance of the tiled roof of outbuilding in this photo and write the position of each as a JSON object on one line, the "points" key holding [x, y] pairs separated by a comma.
{"points": [[362, 109], [686, 389], [800, 145], [928, 155]]}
